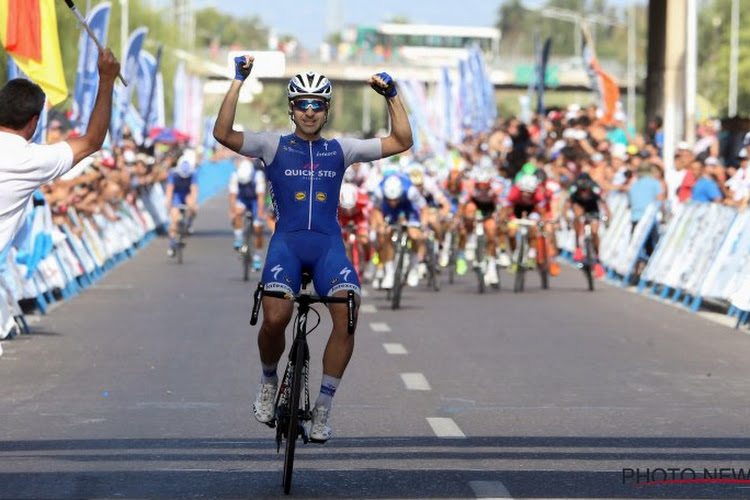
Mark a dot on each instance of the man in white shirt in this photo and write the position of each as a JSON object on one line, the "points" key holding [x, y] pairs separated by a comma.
{"points": [[25, 167], [739, 183]]}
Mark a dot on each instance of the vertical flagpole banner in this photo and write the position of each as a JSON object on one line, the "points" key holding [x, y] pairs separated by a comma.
{"points": [[131, 63], [180, 97], [87, 74]]}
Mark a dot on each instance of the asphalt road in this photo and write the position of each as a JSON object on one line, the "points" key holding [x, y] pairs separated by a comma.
{"points": [[141, 387]]}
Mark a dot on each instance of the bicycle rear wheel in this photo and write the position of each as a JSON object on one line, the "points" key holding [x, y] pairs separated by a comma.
{"points": [[293, 420], [479, 259]]}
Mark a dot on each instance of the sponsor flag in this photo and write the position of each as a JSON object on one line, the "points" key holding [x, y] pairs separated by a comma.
{"points": [[87, 74], [28, 32]]}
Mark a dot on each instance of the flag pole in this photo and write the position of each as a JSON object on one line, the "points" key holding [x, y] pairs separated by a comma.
{"points": [[85, 25]]}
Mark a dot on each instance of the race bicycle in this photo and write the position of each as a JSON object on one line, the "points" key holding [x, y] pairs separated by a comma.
{"points": [[589, 255], [293, 410], [522, 248]]}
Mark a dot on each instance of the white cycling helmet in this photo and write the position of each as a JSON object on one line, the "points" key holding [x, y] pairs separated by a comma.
{"points": [[483, 176], [393, 188], [245, 172], [186, 164], [348, 196], [528, 183], [310, 84]]}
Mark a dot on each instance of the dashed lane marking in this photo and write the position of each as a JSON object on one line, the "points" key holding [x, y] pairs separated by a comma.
{"points": [[380, 327], [415, 382], [395, 349], [445, 427], [489, 489], [368, 308]]}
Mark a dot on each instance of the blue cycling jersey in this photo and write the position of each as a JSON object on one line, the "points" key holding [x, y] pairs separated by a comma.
{"points": [[305, 176], [304, 182], [181, 185]]}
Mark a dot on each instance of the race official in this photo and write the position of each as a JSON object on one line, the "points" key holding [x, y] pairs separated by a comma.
{"points": [[24, 167]]}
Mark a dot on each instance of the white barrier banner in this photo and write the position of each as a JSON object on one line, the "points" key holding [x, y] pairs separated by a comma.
{"points": [[725, 275]]}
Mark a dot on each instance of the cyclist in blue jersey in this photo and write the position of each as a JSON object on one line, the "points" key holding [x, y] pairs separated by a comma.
{"points": [[305, 171], [182, 189], [247, 192], [395, 197]]}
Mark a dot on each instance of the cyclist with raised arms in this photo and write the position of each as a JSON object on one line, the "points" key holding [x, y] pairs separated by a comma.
{"points": [[247, 193], [304, 171], [182, 189], [394, 198]]}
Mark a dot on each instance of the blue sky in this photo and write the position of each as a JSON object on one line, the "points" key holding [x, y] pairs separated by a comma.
{"points": [[311, 20]]}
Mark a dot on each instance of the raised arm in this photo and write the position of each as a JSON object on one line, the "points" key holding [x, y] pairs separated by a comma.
{"points": [[224, 132], [400, 139]]}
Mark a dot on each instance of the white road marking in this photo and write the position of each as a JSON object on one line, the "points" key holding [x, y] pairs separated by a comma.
{"points": [[489, 489], [395, 349], [368, 308], [415, 382], [445, 427], [380, 327]]}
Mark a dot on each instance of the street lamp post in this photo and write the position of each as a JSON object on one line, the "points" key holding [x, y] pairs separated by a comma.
{"points": [[124, 14]]}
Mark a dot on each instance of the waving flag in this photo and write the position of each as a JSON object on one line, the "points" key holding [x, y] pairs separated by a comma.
{"points": [[87, 75], [605, 87], [28, 31]]}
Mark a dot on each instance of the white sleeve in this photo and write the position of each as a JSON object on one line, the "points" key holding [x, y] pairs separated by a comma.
{"points": [[260, 145], [357, 150], [234, 186], [260, 182], [416, 198]]}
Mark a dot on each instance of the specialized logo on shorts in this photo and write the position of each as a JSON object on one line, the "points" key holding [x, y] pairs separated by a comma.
{"points": [[334, 281], [320, 196], [300, 196], [276, 270], [345, 273]]}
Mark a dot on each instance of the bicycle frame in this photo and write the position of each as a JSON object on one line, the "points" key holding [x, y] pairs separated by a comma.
{"points": [[289, 415]]}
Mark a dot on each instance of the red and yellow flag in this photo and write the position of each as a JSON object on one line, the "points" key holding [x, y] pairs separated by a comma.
{"points": [[28, 32]]}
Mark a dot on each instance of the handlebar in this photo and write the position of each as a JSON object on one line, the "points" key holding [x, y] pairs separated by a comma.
{"points": [[304, 300]]}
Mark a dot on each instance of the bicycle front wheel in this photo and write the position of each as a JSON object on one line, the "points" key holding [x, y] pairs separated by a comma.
{"points": [[588, 265], [520, 266], [293, 420]]}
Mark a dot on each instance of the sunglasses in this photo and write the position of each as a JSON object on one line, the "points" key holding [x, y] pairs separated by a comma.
{"points": [[305, 104]]}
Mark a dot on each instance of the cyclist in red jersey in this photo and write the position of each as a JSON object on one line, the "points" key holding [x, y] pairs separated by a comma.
{"points": [[354, 214]]}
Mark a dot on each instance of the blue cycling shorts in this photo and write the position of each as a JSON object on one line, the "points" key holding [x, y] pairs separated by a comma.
{"points": [[179, 199], [323, 255], [391, 215], [249, 205]]}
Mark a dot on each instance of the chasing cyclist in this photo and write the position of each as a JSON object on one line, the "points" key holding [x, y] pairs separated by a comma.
{"points": [[585, 199], [247, 193], [395, 198], [182, 190], [305, 171]]}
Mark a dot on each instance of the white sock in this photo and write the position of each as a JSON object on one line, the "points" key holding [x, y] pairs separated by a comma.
{"points": [[269, 373], [389, 269], [328, 386], [238, 234]]}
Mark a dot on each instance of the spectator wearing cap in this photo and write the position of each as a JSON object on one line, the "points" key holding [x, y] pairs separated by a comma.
{"points": [[685, 171], [705, 189], [707, 143], [643, 191], [738, 186]]}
